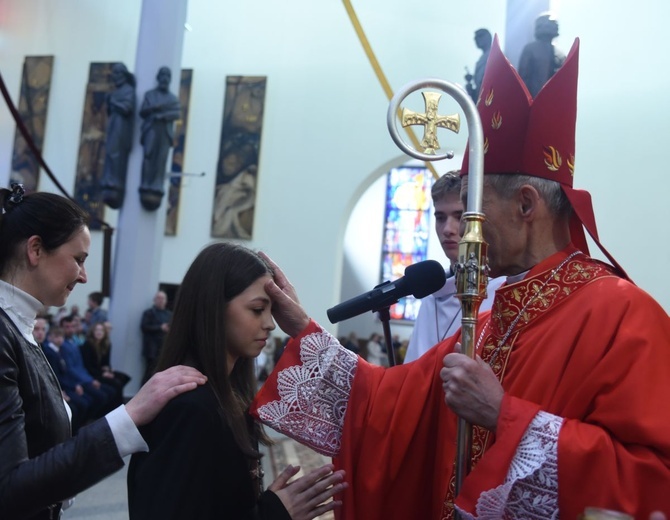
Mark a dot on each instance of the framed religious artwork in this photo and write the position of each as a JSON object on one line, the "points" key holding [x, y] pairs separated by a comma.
{"points": [[33, 106], [239, 152]]}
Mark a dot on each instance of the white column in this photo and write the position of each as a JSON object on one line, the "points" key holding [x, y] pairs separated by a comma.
{"points": [[139, 233]]}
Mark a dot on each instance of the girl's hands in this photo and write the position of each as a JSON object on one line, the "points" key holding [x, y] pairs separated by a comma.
{"points": [[306, 498]]}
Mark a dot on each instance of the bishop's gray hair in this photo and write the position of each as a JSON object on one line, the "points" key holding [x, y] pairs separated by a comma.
{"points": [[506, 185]]}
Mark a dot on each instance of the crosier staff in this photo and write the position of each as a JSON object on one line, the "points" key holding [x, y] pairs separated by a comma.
{"points": [[472, 268]]}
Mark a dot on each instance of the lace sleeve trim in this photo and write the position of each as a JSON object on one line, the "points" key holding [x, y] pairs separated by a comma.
{"points": [[313, 396], [530, 490]]}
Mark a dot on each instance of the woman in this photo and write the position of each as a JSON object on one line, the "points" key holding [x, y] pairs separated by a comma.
{"points": [[44, 242], [95, 352], [203, 461]]}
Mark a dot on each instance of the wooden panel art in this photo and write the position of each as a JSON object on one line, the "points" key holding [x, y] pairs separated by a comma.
{"points": [[87, 192], [237, 168], [174, 186], [33, 105]]}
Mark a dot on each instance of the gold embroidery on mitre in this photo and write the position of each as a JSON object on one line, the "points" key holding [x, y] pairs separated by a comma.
{"points": [[552, 159], [496, 120], [489, 98], [571, 165], [486, 145]]}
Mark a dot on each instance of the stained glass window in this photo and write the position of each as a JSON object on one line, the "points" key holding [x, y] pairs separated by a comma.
{"points": [[406, 229]]}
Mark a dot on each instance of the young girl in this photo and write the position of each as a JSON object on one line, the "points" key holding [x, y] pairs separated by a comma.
{"points": [[203, 460], [96, 352], [44, 242]]}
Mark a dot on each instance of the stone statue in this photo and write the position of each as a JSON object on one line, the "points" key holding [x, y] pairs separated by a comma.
{"points": [[121, 104], [540, 59], [473, 83], [160, 109]]}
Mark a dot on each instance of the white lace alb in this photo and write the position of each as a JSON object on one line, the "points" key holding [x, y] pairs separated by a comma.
{"points": [[530, 490], [313, 396]]}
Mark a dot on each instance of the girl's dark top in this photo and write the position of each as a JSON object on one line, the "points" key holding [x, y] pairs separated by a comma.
{"points": [[194, 468], [40, 464], [91, 362]]}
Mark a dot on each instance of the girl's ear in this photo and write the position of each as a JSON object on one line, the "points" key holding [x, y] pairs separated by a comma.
{"points": [[34, 250]]}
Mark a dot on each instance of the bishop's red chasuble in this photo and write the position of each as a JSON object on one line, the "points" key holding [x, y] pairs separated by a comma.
{"points": [[584, 359]]}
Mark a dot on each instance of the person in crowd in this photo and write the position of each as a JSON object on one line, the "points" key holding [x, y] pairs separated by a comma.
{"points": [[40, 330], [78, 334], [74, 310], [60, 314], [203, 460], [376, 353], [79, 403], [103, 398], [95, 313], [440, 313], [155, 325], [95, 353], [44, 242], [567, 394]]}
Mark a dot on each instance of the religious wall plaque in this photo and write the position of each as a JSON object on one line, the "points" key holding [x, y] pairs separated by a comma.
{"points": [[87, 191], [33, 105], [237, 168]]}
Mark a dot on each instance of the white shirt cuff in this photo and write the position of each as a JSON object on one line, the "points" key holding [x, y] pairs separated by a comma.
{"points": [[126, 435]]}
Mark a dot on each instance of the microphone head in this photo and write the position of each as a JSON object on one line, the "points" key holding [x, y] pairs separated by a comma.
{"points": [[424, 278]]}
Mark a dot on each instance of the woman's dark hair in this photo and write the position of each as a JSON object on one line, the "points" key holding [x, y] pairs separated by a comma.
{"points": [[53, 218], [197, 334]]}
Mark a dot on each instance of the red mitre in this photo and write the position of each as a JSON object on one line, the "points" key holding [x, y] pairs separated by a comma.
{"points": [[535, 136]]}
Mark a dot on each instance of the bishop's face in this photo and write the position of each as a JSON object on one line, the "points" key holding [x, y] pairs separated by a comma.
{"points": [[503, 230]]}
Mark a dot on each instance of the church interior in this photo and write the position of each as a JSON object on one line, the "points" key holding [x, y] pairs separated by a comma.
{"points": [[324, 148]]}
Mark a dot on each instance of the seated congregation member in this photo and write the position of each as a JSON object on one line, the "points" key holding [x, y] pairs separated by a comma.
{"points": [[75, 375], [568, 392], [95, 353], [203, 461], [78, 334], [79, 403], [44, 242]]}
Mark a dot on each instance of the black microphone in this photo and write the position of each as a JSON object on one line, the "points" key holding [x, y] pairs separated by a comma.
{"points": [[420, 280]]}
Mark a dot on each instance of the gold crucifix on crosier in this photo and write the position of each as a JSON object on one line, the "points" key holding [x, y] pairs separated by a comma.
{"points": [[430, 121]]}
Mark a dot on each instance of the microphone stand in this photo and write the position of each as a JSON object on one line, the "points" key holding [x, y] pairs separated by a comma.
{"points": [[384, 316]]}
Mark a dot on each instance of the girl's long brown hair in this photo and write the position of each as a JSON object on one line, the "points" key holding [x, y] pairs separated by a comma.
{"points": [[198, 330], [101, 347]]}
